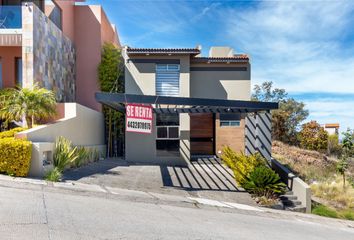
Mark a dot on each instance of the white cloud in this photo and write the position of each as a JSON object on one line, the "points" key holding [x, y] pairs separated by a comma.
{"points": [[304, 47], [298, 45]]}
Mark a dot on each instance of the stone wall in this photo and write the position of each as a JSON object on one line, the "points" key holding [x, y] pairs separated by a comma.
{"points": [[48, 56]]}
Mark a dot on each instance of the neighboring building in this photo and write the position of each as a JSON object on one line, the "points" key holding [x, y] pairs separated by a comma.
{"points": [[197, 108], [331, 128], [55, 44]]}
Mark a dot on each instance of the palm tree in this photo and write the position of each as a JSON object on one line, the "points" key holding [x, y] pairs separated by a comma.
{"points": [[27, 103]]}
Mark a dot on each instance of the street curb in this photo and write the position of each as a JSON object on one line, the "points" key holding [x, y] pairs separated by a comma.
{"points": [[143, 196], [83, 187]]}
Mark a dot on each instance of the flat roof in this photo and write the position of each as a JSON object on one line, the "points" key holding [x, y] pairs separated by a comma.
{"points": [[241, 58], [193, 51], [332, 125], [164, 104]]}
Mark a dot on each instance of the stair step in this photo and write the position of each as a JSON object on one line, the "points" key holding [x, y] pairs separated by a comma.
{"points": [[288, 197], [296, 209], [291, 203]]}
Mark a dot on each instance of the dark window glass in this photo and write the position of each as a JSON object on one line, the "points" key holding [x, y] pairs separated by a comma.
{"points": [[235, 123], [173, 132], [167, 148], [224, 124], [230, 116], [18, 73], [167, 120], [162, 132]]}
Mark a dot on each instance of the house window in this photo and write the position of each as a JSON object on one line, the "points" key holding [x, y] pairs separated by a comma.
{"points": [[230, 120], [167, 135], [167, 79], [18, 73], [54, 13]]}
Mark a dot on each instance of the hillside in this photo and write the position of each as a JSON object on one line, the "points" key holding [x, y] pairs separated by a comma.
{"points": [[319, 171]]}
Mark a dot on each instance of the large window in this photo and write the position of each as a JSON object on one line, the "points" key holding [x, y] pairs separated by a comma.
{"points": [[18, 73], [167, 79], [53, 12], [230, 120], [167, 134]]}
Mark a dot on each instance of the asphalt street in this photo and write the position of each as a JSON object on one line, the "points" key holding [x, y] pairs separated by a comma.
{"points": [[34, 211]]}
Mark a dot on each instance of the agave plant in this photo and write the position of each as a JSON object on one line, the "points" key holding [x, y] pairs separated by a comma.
{"points": [[263, 181]]}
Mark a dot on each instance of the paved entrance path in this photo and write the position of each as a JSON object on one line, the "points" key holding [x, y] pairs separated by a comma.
{"points": [[205, 178]]}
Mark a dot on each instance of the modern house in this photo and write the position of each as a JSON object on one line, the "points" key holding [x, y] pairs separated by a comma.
{"points": [[200, 104], [331, 128], [55, 44]]}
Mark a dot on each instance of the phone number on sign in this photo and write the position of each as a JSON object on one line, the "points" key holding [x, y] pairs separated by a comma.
{"points": [[139, 125]]}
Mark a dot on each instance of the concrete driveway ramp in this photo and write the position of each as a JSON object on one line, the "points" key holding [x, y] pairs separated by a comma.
{"points": [[204, 178]]}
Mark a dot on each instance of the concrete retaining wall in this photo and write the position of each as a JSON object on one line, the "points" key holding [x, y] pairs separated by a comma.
{"points": [[81, 125]]}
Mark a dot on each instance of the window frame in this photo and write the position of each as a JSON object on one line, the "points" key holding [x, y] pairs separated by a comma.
{"points": [[229, 123], [168, 132], [167, 70]]}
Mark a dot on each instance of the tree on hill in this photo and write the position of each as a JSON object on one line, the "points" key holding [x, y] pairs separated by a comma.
{"points": [[287, 119], [347, 153], [313, 137]]}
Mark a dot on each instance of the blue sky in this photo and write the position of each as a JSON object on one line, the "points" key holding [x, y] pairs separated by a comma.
{"points": [[306, 47]]}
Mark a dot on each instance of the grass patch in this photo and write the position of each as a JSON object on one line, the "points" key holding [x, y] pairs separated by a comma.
{"points": [[53, 175], [347, 214], [324, 211]]}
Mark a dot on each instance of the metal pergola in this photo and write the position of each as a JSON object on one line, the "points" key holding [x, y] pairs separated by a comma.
{"points": [[164, 104]]}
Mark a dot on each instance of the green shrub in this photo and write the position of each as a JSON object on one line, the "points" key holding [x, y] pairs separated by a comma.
{"points": [[53, 175], [11, 133], [64, 154], [263, 181], [348, 214], [322, 210], [82, 156], [313, 137], [241, 164], [334, 148], [15, 156]]}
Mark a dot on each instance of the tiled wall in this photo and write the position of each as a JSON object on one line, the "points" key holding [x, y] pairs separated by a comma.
{"points": [[48, 56]]}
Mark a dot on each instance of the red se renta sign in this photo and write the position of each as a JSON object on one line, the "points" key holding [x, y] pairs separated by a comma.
{"points": [[138, 118]]}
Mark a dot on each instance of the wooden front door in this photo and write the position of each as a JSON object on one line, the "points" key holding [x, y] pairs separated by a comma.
{"points": [[202, 133]]}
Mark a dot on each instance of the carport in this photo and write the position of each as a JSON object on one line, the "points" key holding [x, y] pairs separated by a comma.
{"points": [[256, 128]]}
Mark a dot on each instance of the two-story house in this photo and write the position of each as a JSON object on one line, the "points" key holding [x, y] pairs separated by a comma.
{"points": [[201, 104], [55, 44]]}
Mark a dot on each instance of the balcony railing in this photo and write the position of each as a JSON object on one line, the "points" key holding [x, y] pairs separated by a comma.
{"points": [[10, 17]]}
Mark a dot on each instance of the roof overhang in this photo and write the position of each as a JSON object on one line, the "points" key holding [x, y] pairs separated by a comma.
{"points": [[163, 51], [164, 104]]}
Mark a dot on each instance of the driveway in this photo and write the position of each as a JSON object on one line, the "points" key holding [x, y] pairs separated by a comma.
{"points": [[205, 178]]}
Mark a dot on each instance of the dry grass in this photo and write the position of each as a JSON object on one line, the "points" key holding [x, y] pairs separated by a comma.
{"points": [[309, 165], [334, 193], [319, 171]]}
